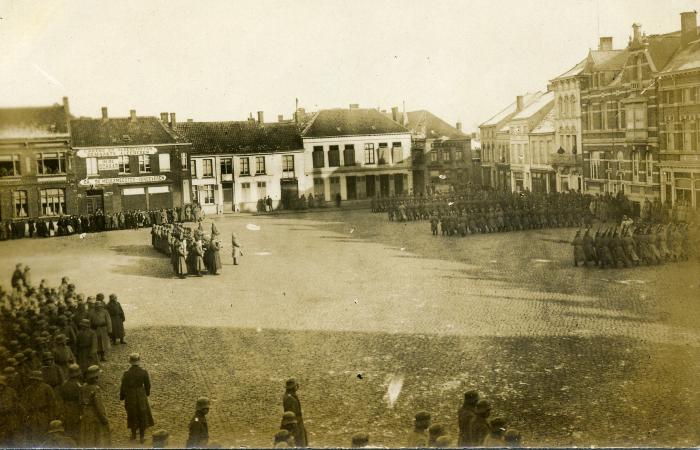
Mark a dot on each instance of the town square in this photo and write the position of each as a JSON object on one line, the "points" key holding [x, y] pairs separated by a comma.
{"points": [[213, 255]]}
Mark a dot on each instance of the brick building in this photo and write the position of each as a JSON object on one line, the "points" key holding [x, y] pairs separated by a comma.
{"points": [[37, 171], [129, 163]]}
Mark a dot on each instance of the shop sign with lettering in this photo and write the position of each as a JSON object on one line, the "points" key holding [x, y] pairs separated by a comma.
{"points": [[121, 180], [115, 151]]}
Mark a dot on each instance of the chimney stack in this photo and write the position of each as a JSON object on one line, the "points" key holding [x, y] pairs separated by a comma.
{"points": [[280, 118], [250, 119], [104, 113], [164, 117], [606, 43], [354, 105], [519, 103], [459, 126], [689, 27], [637, 32], [190, 120], [395, 113], [261, 118], [132, 114], [66, 107], [173, 121]]}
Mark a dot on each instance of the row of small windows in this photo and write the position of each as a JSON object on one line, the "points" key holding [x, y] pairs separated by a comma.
{"points": [[52, 202], [46, 164], [602, 168], [226, 166], [379, 155], [611, 116]]}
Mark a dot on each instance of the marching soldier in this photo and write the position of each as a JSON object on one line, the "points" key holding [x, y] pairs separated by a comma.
{"points": [[102, 324], [94, 425], [69, 393]]}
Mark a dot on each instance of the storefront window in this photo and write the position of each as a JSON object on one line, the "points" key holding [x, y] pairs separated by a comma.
{"points": [[20, 201], [53, 202]]}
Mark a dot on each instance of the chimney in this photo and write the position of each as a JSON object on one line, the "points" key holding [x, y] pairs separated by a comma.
{"points": [[173, 121], [261, 118], [395, 113], [66, 107], [164, 117], [280, 118], [250, 119], [132, 115], [104, 113], [606, 43], [354, 105], [190, 120], [689, 27], [637, 32], [519, 103], [458, 125]]}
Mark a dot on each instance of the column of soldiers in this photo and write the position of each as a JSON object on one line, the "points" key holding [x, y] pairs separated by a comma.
{"points": [[631, 245], [192, 253], [66, 225]]}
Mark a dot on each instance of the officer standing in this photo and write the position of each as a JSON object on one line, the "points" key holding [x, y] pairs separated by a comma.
{"points": [[290, 402], [419, 435], [199, 429], [134, 391]]}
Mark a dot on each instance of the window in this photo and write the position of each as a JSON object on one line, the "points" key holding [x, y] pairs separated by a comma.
{"points": [[91, 166], [317, 156], [245, 166], [636, 117], [53, 202], [207, 194], [19, 199], [688, 134], [260, 165], [245, 185], [226, 166], [193, 169], [144, 164], [650, 166], [612, 115], [595, 165], [287, 166], [123, 164], [164, 162], [635, 165], [369, 153], [183, 160], [396, 153], [381, 153], [208, 168], [51, 163], [678, 136], [9, 166], [262, 189], [349, 155], [446, 154], [433, 156], [458, 155], [333, 156], [319, 188], [597, 122]]}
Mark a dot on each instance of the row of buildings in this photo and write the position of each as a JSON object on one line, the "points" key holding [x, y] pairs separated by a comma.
{"points": [[53, 164], [621, 120]]}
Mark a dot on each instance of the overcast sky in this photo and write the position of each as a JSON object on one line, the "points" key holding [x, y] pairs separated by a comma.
{"points": [[220, 60]]}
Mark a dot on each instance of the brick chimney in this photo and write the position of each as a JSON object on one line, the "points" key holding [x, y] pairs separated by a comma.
{"points": [[132, 115], [190, 120], [354, 105], [606, 43], [173, 121], [104, 113], [164, 117], [395, 113], [519, 103], [689, 27], [636, 32], [280, 118], [458, 125], [66, 107], [261, 118]]}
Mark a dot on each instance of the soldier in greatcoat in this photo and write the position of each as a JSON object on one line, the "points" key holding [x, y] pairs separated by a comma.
{"points": [[236, 250], [86, 346], [198, 257], [290, 402], [57, 437], [180, 262], [62, 354], [198, 436], [479, 426], [102, 324], [117, 318], [134, 391], [419, 435], [39, 402], [465, 416], [52, 373], [94, 425], [213, 252], [11, 414], [69, 394], [579, 254]]}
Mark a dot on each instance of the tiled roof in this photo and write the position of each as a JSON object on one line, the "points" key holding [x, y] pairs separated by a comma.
{"points": [[662, 48], [546, 125], [505, 114], [431, 126], [686, 59], [576, 70], [351, 122], [240, 137], [608, 59], [119, 131], [33, 122], [534, 107]]}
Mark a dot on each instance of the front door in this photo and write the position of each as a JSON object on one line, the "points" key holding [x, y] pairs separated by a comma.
{"points": [[398, 184], [351, 184], [227, 191], [94, 200], [290, 192], [384, 185]]}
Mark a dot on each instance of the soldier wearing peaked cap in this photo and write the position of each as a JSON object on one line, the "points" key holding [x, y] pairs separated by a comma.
{"points": [[117, 317], [86, 346], [40, 403], [290, 402], [419, 435], [134, 391], [69, 393], [465, 416], [199, 429], [94, 425]]}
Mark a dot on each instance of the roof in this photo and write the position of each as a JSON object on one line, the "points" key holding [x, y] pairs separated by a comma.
{"points": [[427, 124], [663, 47], [686, 59], [240, 137], [546, 125], [576, 70], [350, 122], [119, 131], [608, 59], [508, 111], [33, 122], [534, 107]]}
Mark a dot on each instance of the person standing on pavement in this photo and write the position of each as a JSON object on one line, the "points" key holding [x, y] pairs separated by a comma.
{"points": [[57, 438], [116, 315], [290, 402], [40, 407], [479, 426], [268, 203], [11, 414], [86, 352], [465, 416], [69, 393], [199, 429], [102, 324], [419, 435], [213, 253], [134, 391], [236, 249], [94, 425]]}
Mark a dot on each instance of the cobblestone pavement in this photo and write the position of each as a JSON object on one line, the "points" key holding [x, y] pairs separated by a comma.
{"points": [[570, 356]]}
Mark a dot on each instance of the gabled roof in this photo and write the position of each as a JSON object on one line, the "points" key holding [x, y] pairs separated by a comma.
{"points": [[576, 70], [240, 137], [507, 113], [546, 125], [430, 126], [350, 122], [608, 60], [663, 47], [33, 122], [542, 101], [119, 131], [686, 59]]}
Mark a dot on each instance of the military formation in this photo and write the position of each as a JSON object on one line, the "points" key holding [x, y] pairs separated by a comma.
{"points": [[64, 225], [630, 245], [192, 252]]}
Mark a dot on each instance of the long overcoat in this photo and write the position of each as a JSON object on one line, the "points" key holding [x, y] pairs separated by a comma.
{"points": [[69, 393], [94, 426], [134, 391], [116, 314], [86, 348], [290, 402], [102, 324]]}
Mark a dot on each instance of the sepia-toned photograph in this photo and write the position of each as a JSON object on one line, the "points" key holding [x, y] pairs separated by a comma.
{"points": [[346, 224]]}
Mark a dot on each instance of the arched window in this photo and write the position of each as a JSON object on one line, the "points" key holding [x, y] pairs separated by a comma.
{"points": [[649, 166]]}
